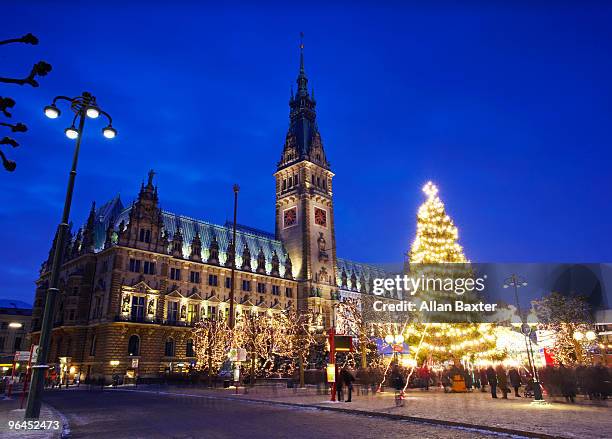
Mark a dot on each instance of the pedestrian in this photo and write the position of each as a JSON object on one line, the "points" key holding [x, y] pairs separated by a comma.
{"points": [[502, 381], [567, 382], [397, 380], [468, 379], [515, 381], [424, 376], [447, 381], [492, 380], [347, 378], [339, 389], [483, 380], [602, 381]]}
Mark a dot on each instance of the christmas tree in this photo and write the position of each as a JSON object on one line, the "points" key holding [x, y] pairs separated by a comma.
{"points": [[436, 253], [436, 236]]}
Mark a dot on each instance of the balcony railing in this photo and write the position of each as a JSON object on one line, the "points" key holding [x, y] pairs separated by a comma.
{"points": [[153, 321]]}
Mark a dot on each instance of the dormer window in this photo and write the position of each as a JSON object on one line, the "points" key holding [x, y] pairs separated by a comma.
{"points": [[145, 235]]}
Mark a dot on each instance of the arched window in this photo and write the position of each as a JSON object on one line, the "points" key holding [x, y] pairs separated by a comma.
{"points": [[189, 349], [169, 351], [134, 345]]}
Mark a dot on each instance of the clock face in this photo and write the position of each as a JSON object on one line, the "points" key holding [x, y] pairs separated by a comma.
{"points": [[290, 217], [320, 217]]}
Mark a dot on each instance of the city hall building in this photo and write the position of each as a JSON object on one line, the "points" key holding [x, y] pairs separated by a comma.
{"points": [[136, 279]]}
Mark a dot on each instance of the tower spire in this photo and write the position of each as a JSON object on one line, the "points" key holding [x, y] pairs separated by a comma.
{"points": [[301, 52], [302, 80], [303, 140]]}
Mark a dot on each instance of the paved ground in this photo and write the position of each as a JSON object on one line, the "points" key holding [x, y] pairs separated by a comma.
{"points": [[582, 420], [124, 414], [10, 411], [186, 412]]}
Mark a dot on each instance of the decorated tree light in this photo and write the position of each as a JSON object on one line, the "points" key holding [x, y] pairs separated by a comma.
{"points": [[212, 342], [436, 235]]}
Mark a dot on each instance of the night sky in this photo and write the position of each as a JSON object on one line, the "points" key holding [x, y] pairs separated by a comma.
{"points": [[506, 108]]}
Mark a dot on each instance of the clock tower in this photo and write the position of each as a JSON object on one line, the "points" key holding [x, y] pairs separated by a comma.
{"points": [[304, 206]]}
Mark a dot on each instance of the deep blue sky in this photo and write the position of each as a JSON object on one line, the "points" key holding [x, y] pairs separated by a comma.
{"points": [[507, 108]]}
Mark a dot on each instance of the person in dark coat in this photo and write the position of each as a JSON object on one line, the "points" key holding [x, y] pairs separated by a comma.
{"points": [[567, 382], [502, 381], [339, 383], [602, 381], [397, 380], [347, 378], [492, 380], [515, 381], [483, 379]]}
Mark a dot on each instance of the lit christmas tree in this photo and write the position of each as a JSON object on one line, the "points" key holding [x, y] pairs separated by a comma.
{"points": [[436, 243], [436, 236]]}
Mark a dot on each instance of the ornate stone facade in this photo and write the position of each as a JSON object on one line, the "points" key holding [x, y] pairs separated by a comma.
{"points": [[135, 280]]}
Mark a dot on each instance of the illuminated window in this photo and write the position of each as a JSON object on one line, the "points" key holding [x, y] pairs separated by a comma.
{"points": [[192, 312]]}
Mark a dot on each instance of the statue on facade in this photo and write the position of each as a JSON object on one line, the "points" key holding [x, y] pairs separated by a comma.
{"points": [[323, 256], [125, 306]]}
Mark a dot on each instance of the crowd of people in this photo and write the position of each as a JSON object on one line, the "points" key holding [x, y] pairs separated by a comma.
{"points": [[595, 382]]}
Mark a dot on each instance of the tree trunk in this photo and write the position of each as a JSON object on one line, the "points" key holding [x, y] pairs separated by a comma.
{"points": [[209, 366], [302, 371], [364, 355], [252, 383]]}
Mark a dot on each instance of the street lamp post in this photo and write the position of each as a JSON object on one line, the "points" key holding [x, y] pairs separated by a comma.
{"points": [[232, 317], [394, 340], [517, 282], [82, 106]]}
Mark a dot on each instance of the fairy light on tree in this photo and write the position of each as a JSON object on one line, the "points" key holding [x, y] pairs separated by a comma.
{"points": [[437, 235], [569, 319], [212, 342], [350, 321]]}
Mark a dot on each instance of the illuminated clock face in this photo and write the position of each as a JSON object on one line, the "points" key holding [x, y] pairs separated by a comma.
{"points": [[290, 217], [320, 217]]}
